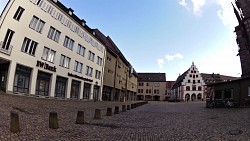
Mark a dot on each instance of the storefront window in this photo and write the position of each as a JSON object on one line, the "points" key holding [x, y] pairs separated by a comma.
{"points": [[75, 89], [22, 79], [61, 85], [43, 83], [86, 90]]}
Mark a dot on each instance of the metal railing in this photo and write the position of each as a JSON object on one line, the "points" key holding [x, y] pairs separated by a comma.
{"points": [[4, 49]]}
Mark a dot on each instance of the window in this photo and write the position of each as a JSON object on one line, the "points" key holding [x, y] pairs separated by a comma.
{"points": [[54, 34], [81, 50], [190, 75], [89, 71], [157, 91], [218, 94], [157, 84], [110, 72], [193, 81], [99, 61], [65, 61], [61, 87], [199, 88], [140, 83], [188, 88], [196, 76], [7, 40], [78, 67], [18, 13], [194, 88], [29, 46], [188, 81], [48, 54], [97, 74], [86, 90], [228, 93], [22, 79], [68, 43], [37, 24], [91, 56], [140, 90], [248, 90], [109, 59], [43, 83], [199, 81]]}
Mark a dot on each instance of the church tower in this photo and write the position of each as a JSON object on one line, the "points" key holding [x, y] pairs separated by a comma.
{"points": [[242, 12]]}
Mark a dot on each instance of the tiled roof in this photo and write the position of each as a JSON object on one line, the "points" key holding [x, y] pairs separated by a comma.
{"points": [[169, 84], [151, 77], [180, 79], [215, 78]]}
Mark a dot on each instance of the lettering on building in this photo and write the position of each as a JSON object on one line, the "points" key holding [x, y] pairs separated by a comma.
{"points": [[45, 66], [79, 77]]}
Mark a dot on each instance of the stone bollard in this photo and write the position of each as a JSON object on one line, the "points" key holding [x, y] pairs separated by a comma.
{"points": [[53, 120], [124, 108], [98, 114], [128, 107], [14, 122], [132, 106], [116, 110], [109, 111], [80, 117]]}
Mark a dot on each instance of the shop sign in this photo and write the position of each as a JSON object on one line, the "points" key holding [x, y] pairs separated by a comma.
{"points": [[79, 77], [45, 66]]}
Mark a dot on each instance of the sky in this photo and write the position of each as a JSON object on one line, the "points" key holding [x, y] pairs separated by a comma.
{"points": [[166, 35]]}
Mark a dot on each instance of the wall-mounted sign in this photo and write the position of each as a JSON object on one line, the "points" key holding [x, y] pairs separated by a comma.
{"points": [[45, 66], [79, 77]]}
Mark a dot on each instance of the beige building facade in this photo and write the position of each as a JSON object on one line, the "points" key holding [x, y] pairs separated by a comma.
{"points": [[120, 79], [151, 86], [47, 51]]}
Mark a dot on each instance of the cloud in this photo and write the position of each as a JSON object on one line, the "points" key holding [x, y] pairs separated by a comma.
{"points": [[226, 13], [173, 57], [196, 5], [160, 62], [183, 3]]}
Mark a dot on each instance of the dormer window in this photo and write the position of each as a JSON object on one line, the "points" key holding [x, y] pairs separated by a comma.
{"points": [[83, 22], [71, 11]]}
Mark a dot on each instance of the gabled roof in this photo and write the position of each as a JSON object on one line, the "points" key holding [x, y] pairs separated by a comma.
{"points": [[151, 77], [169, 84], [100, 36], [180, 79], [215, 78]]}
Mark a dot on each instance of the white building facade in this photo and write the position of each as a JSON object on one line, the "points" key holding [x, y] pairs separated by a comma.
{"points": [[46, 50], [188, 86]]}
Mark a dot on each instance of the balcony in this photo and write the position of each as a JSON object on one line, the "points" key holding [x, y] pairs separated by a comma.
{"points": [[4, 49]]}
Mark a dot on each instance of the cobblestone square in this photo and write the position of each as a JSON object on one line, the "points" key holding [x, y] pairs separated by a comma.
{"points": [[156, 121]]}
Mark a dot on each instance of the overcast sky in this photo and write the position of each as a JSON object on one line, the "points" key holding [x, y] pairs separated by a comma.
{"points": [[167, 35]]}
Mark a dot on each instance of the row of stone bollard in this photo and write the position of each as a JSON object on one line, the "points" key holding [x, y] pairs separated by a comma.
{"points": [[53, 117]]}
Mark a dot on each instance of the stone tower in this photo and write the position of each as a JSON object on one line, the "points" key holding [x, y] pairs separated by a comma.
{"points": [[242, 12]]}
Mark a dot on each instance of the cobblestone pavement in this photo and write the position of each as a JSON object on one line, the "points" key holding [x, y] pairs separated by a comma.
{"points": [[156, 121]]}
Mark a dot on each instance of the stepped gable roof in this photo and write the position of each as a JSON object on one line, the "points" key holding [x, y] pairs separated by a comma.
{"points": [[215, 78], [180, 79], [151, 77]]}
